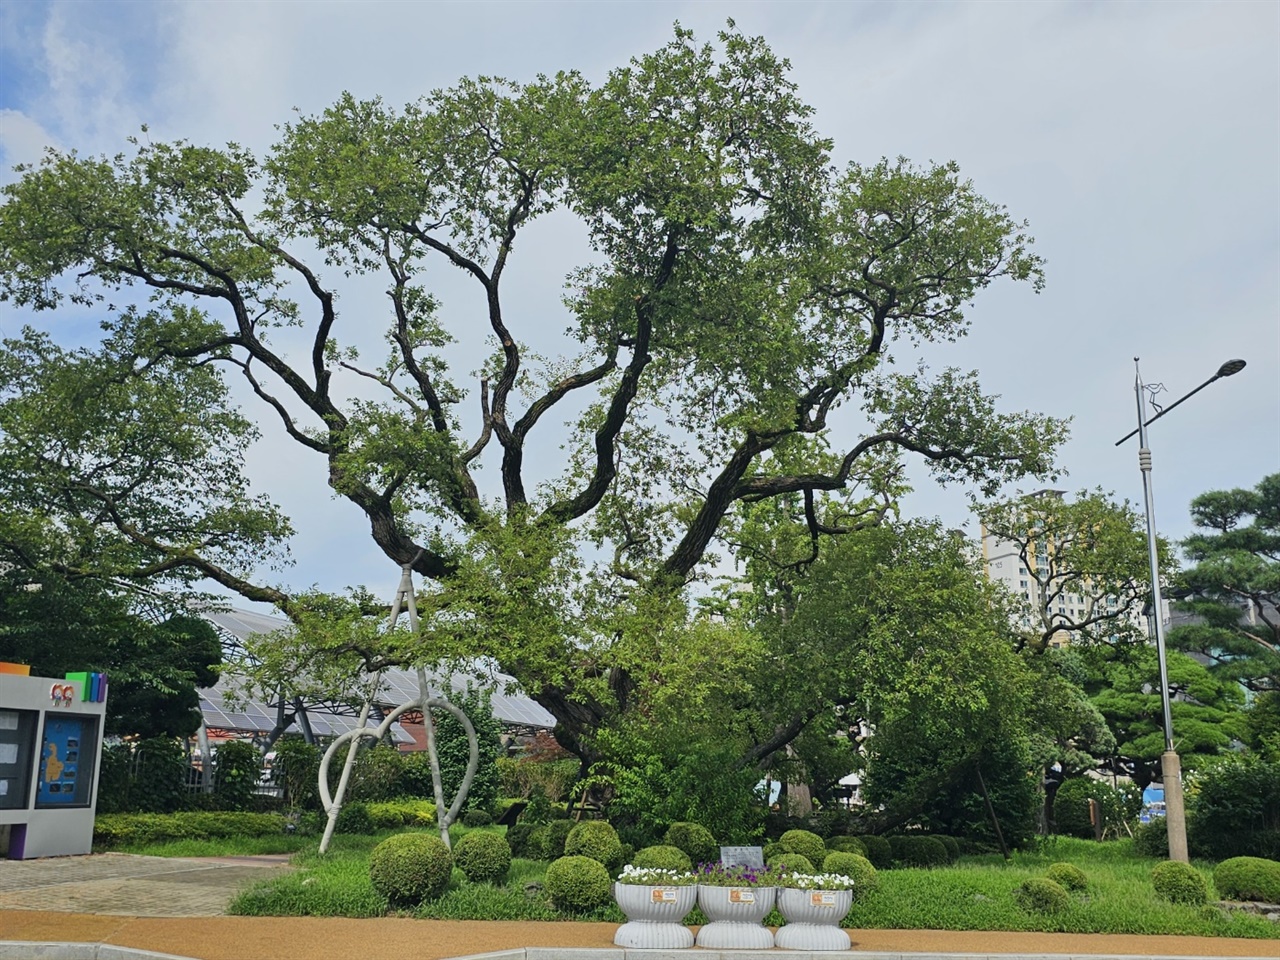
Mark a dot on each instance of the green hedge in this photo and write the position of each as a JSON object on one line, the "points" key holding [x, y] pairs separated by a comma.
{"points": [[112, 830]]}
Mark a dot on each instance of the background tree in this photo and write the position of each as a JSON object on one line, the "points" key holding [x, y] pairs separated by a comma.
{"points": [[155, 656], [737, 290], [1233, 590], [1087, 559], [1207, 710]]}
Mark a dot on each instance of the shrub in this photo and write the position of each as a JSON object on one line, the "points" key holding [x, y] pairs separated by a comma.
{"points": [[663, 857], [128, 829], [854, 866], [1248, 878], [476, 818], [770, 850], [483, 856], [806, 843], [296, 769], [238, 770], [578, 884], [1152, 839], [922, 851], [695, 840], [410, 867], [895, 842], [557, 833], [595, 839], [1234, 809], [1042, 895], [1067, 875], [788, 862], [518, 838], [878, 851], [354, 818], [847, 845], [454, 752], [387, 816], [376, 775], [536, 846], [952, 846], [1180, 882]]}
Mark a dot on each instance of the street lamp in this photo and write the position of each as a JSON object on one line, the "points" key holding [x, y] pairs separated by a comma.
{"points": [[1170, 765]]}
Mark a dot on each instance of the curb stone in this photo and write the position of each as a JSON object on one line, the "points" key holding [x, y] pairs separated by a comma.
{"points": [[52, 950]]}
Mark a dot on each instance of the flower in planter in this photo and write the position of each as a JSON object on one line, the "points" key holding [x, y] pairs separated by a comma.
{"points": [[718, 875], [656, 877], [821, 881]]}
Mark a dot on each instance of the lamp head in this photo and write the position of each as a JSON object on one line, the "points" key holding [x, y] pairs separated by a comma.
{"points": [[1230, 367]]}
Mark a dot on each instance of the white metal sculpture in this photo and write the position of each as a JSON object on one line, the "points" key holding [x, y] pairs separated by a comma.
{"points": [[404, 599]]}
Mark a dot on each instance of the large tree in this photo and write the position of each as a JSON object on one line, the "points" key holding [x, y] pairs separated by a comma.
{"points": [[737, 290]]}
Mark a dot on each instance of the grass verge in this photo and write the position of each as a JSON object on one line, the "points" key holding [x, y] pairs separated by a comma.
{"points": [[975, 894]]}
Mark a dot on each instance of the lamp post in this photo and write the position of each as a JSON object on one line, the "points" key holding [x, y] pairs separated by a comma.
{"points": [[1170, 764]]}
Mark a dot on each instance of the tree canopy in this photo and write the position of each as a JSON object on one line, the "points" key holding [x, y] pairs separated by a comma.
{"points": [[744, 318], [1233, 590]]}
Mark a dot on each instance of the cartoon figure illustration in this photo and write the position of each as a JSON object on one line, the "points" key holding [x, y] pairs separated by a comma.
{"points": [[52, 765]]}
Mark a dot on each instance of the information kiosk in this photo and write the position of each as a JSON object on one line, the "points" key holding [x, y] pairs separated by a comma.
{"points": [[50, 752]]}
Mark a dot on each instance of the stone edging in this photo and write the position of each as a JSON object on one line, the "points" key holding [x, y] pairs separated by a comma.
{"points": [[52, 950]]}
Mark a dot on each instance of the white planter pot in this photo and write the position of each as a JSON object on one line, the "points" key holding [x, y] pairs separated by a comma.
{"points": [[655, 916], [813, 919], [734, 915]]}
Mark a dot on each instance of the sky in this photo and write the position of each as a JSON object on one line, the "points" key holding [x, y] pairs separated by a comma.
{"points": [[1141, 142]]}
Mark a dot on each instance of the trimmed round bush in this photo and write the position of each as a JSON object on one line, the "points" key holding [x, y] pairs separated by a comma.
{"points": [[770, 850], [895, 841], [476, 818], [578, 884], [788, 862], [354, 818], [536, 846], [695, 840], [1067, 875], [1248, 878], [878, 851], [662, 857], [518, 835], [952, 846], [1042, 895], [484, 857], [410, 868], [854, 866], [1180, 882], [922, 852], [595, 839], [557, 833], [846, 845], [806, 843]]}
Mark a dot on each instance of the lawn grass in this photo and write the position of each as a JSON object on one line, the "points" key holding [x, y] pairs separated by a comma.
{"points": [[974, 894]]}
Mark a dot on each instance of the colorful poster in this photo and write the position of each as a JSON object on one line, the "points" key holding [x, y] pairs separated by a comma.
{"points": [[67, 756]]}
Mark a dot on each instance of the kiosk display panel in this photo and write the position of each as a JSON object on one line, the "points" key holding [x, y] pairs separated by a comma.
{"points": [[67, 753], [17, 739]]}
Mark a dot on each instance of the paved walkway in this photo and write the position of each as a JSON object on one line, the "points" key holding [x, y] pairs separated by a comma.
{"points": [[120, 884], [177, 907]]}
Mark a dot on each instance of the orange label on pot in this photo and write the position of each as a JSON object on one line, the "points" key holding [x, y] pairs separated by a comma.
{"points": [[822, 899], [663, 896], [741, 896]]}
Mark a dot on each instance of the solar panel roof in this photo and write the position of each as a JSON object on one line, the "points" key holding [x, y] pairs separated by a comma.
{"points": [[398, 686]]}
